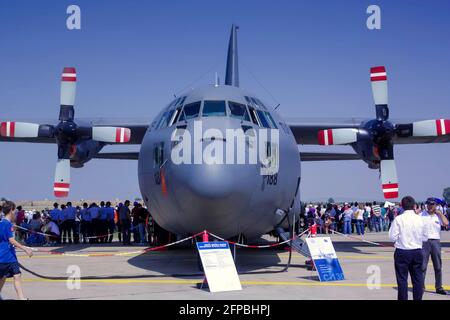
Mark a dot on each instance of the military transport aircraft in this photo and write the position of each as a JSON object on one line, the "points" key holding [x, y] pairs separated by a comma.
{"points": [[226, 199]]}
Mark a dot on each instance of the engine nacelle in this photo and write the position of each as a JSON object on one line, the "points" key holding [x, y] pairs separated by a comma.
{"points": [[83, 151]]}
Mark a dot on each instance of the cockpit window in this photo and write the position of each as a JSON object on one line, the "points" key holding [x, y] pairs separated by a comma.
{"points": [[190, 111], [165, 119], [175, 116], [214, 108], [271, 121], [238, 110], [253, 115], [263, 119]]}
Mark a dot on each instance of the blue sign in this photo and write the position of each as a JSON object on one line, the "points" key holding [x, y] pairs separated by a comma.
{"points": [[329, 269], [212, 245]]}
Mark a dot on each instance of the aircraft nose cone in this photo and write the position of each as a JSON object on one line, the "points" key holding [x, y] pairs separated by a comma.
{"points": [[212, 181]]}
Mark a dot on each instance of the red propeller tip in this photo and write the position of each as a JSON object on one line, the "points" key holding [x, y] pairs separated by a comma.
{"points": [[7, 129], [325, 137], [61, 190], [390, 190], [69, 74], [123, 135], [378, 73]]}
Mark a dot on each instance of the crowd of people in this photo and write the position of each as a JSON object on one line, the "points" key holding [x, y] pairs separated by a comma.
{"points": [[357, 218], [88, 223]]}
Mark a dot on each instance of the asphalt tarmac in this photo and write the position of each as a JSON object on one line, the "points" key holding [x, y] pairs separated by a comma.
{"points": [[173, 274]]}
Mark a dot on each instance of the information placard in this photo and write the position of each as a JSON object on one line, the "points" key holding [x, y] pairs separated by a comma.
{"points": [[219, 266], [325, 259]]}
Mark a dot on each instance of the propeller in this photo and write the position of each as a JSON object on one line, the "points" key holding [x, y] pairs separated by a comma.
{"points": [[66, 133], [374, 138]]}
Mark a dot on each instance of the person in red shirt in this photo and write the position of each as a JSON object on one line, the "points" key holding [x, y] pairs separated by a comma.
{"points": [[20, 218]]}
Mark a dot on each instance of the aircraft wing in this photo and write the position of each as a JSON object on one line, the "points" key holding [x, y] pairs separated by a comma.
{"points": [[306, 131]]}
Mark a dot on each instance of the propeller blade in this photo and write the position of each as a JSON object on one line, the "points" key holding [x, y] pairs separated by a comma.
{"points": [[389, 181], [337, 136], [111, 134], [378, 77], [431, 128], [61, 185], [68, 90], [19, 129]]}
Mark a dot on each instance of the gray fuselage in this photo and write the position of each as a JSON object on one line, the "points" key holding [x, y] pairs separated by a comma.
{"points": [[225, 199]]}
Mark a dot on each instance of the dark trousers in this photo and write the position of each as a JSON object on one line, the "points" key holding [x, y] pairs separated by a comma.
{"points": [[103, 230], [111, 229], [126, 226], [95, 231], [433, 247], [409, 261], [86, 230], [70, 231]]}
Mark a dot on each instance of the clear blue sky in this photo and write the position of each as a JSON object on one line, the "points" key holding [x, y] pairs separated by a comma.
{"points": [[313, 56]]}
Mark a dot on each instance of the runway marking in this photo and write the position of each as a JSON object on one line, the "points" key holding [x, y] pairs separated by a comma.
{"points": [[250, 283]]}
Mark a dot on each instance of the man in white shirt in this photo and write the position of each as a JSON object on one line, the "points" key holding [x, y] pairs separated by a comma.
{"points": [[433, 220], [408, 233]]}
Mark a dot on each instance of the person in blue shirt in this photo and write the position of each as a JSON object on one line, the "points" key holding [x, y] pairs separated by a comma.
{"points": [[103, 224], [94, 212], [86, 228], [110, 220], [56, 216], [9, 266], [71, 213]]}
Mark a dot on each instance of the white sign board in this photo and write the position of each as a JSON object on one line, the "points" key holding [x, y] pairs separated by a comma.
{"points": [[325, 259], [219, 266]]}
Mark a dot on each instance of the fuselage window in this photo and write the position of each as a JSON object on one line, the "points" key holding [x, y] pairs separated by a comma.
{"points": [[253, 115], [238, 110], [214, 108], [263, 119], [190, 111], [271, 121], [158, 155]]}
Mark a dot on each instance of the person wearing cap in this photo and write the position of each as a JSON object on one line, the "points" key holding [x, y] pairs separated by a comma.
{"points": [[408, 233], [433, 220]]}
